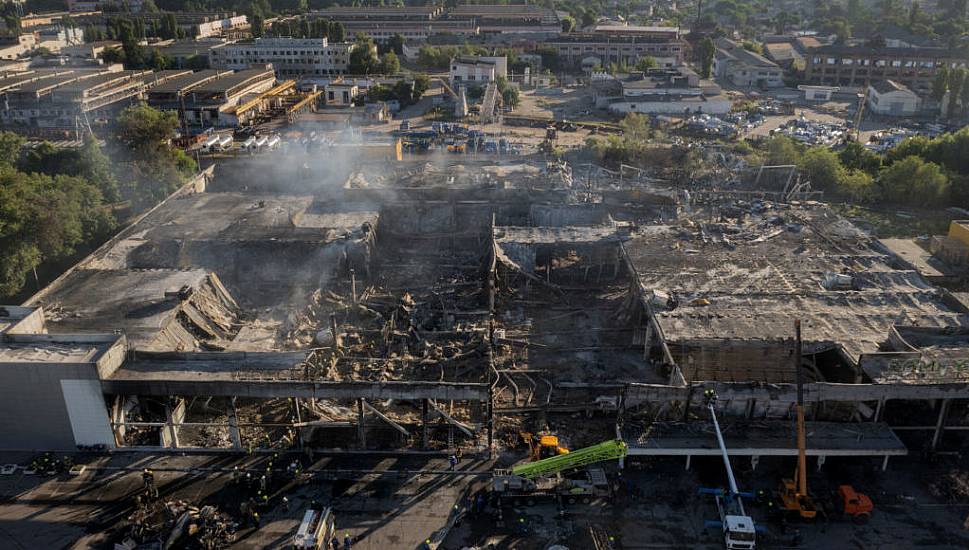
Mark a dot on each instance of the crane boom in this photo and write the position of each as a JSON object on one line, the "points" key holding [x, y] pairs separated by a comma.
{"points": [[801, 435], [607, 450], [723, 451]]}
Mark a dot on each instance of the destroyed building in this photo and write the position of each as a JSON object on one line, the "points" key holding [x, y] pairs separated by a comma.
{"points": [[403, 305]]}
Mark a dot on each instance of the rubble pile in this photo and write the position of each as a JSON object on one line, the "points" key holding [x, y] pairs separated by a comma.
{"points": [[952, 486], [177, 524]]}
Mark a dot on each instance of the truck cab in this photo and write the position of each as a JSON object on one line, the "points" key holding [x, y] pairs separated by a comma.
{"points": [[854, 504], [739, 532], [315, 530]]}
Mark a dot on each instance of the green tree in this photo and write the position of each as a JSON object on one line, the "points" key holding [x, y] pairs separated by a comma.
{"points": [[940, 83], [964, 93], [957, 79], [155, 169], [10, 146], [859, 186], [646, 63], [396, 44], [363, 57], [338, 32], [823, 168], [783, 151], [87, 161], [914, 181], [511, 97], [145, 131], [42, 218], [257, 25], [568, 23], [113, 55], [636, 128], [705, 52], [841, 30], [389, 64], [421, 84], [856, 156]]}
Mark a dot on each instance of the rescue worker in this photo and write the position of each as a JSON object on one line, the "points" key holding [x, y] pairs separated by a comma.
{"points": [[452, 461], [285, 504], [148, 477], [335, 543], [346, 541]]}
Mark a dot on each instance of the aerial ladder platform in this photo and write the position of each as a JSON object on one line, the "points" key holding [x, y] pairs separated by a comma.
{"points": [[739, 532], [544, 478]]}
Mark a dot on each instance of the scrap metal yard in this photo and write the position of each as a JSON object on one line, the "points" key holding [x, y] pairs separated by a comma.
{"points": [[389, 339]]}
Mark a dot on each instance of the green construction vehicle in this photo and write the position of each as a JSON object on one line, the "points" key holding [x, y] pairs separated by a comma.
{"points": [[526, 483]]}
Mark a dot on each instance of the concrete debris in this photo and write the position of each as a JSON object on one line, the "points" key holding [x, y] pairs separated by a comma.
{"points": [[178, 524]]}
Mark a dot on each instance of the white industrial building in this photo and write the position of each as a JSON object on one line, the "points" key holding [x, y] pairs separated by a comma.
{"points": [[223, 27], [290, 57], [887, 97], [477, 69], [745, 68], [662, 91], [13, 47], [818, 93]]}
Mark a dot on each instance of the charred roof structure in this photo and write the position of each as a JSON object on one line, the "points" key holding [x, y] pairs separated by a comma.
{"points": [[417, 306]]}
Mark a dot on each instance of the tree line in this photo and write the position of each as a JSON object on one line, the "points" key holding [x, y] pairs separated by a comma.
{"points": [[920, 171], [57, 203]]}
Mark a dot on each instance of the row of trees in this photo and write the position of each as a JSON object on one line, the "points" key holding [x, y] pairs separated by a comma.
{"points": [[364, 60], [918, 172], [58, 203], [404, 91], [305, 27], [46, 211], [139, 28]]}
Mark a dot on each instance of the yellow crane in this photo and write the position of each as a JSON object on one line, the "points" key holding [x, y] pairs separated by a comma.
{"points": [[795, 497]]}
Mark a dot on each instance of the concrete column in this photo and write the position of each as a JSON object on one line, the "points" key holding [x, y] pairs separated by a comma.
{"points": [[940, 423], [118, 427], [174, 415], [885, 463], [361, 429], [491, 420], [234, 426], [425, 438], [648, 339], [878, 410], [688, 457], [299, 420]]}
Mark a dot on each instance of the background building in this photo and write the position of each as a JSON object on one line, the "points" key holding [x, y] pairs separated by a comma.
{"points": [[290, 57], [745, 68], [856, 66], [887, 97], [677, 91], [592, 49], [508, 18], [477, 69]]}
